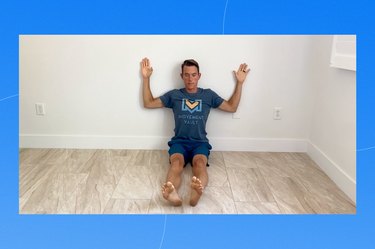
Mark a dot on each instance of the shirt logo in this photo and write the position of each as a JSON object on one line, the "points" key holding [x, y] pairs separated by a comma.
{"points": [[192, 105]]}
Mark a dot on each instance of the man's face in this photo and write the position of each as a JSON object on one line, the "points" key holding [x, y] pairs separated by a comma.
{"points": [[190, 76]]}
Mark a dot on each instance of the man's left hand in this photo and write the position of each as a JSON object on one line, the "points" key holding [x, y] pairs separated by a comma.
{"points": [[241, 73]]}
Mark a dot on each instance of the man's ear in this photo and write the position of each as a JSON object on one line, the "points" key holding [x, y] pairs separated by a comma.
{"points": [[181, 75], [199, 75]]}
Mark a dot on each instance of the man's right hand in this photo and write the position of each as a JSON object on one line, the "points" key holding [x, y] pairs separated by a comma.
{"points": [[146, 69]]}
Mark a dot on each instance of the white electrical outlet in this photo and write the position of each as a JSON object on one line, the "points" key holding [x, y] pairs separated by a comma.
{"points": [[277, 113], [40, 109]]}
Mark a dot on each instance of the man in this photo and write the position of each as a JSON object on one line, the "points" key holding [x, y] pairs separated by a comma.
{"points": [[191, 106]]}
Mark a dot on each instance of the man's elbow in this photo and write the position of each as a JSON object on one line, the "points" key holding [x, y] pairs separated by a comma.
{"points": [[230, 109], [227, 106], [152, 104], [233, 110], [147, 105]]}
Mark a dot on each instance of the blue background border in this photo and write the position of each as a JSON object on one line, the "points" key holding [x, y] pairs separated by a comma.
{"points": [[190, 17]]}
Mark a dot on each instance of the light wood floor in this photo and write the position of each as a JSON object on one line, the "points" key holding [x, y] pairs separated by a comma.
{"points": [[71, 181]]}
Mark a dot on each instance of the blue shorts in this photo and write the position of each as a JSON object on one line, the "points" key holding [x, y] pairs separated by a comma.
{"points": [[189, 149]]}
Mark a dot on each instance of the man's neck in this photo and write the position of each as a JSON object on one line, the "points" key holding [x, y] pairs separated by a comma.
{"points": [[192, 90]]}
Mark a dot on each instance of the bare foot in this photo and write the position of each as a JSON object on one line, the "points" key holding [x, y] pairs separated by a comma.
{"points": [[196, 190], [170, 194]]}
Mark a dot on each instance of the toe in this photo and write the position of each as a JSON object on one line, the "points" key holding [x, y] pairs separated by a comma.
{"points": [[170, 186]]}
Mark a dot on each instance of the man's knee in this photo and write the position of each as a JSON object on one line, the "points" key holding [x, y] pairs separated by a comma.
{"points": [[200, 161], [177, 161]]}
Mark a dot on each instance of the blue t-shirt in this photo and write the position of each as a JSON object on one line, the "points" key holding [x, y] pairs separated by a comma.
{"points": [[191, 111]]}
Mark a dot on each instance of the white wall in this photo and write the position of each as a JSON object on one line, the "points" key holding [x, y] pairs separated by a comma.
{"points": [[91, 88], [333, 127]]}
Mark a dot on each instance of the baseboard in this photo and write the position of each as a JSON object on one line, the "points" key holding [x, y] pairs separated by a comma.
{"points": [[346, 183], [259, 144], [92, 142], [152, 143]]}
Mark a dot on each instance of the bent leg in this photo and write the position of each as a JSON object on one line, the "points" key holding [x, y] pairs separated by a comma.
{"points": [[169, 189], [200, 178]]}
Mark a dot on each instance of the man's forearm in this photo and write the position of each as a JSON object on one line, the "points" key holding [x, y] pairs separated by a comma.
{"points": [[234, 101], [147, 95]]}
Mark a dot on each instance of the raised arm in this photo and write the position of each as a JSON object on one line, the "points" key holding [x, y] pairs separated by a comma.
{"points": [[232, 104], [148, 100]]}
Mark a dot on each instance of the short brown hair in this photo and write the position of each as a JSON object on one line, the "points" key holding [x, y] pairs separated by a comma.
{"points": [[189, 63]]}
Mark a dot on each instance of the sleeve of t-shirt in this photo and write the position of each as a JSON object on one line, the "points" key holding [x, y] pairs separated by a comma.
{"points": [[166, 99], [216, 100]]}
